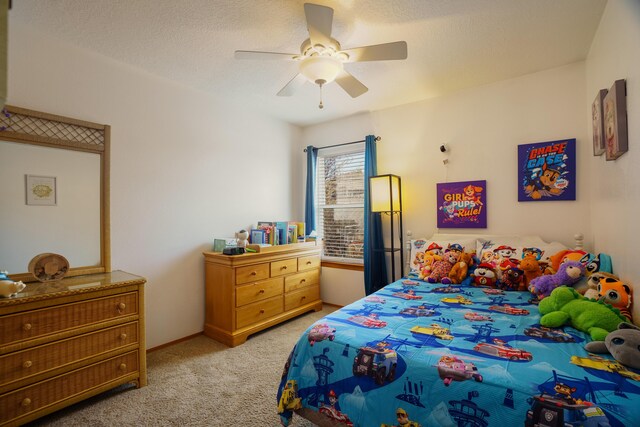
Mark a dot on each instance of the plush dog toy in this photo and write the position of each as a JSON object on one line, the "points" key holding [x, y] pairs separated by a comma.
{"points": [[568, 274], [485, 275], [512, 280], [623, 344], [460, 269]]}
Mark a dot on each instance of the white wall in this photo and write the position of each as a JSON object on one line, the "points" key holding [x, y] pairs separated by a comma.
{"points": [[185, 167], [482, 127], [615, 200]]}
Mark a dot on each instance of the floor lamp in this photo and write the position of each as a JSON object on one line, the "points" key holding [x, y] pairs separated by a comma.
{"points": [[386, 197]]}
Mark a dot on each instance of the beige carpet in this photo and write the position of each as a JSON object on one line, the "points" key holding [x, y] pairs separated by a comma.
{"points": [[200, 382]]}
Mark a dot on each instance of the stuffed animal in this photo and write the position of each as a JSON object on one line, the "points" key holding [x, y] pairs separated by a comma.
{"points": [[566, 306], [440, 269], [8, 287], [427, 264], [568, 274], [589, 286], [531, 268], [565, 255], [512, 280], [617, 294], [460, 269], [594, 263], [623, 344], [485, 275]]}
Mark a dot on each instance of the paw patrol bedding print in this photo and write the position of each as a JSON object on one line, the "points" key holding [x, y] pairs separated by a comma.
{"points": [[422, 354]]}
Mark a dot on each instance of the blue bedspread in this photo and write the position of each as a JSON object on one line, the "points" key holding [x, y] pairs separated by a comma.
{"points": [[451, 356]]}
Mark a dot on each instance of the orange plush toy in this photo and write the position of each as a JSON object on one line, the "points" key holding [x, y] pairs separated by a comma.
{"points": [[531, 268], [568, 254], [460, 269], [617, 294]]}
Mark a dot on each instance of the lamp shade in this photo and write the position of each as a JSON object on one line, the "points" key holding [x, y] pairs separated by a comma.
{"points": [[320, 68], [385, 193]]}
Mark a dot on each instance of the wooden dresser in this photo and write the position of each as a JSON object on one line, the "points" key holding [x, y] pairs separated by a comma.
{"points": [[64, 341], [250, 292]]}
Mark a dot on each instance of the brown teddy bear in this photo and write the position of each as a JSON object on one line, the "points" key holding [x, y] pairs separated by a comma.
{"points": [[531, 268], [460, 269]]}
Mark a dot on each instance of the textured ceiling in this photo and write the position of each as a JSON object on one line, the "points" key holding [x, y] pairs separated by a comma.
{"points": [[452, 44]]}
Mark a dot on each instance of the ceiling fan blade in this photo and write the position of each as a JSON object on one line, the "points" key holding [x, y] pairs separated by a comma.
{"points": [[378, 52], [350, 84], [293, 85], [319, 22], [251, 54]]}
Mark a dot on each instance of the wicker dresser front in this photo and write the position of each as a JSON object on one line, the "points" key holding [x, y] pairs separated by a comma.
{"points": [[64, 341]]}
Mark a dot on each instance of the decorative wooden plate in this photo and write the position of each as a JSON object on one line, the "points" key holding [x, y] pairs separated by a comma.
{"points": [[47, 267]]}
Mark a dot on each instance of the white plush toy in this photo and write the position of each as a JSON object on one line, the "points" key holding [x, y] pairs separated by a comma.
{"points": [[8, 287], [242, 237]]}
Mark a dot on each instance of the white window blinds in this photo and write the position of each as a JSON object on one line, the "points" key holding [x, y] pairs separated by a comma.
{"points": [[340, 205]]}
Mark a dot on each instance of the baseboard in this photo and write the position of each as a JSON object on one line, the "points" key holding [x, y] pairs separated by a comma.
{"points": [[179, 340]]}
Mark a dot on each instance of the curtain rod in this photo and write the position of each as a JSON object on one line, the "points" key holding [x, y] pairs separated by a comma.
{"points": [[377, 138]]}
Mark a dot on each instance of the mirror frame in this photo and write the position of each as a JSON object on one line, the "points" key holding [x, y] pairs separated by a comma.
{"points": [[37, 128]]}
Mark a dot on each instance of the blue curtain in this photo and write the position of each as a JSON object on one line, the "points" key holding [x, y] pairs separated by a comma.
{"points": [[310, 199], [375, 265]]}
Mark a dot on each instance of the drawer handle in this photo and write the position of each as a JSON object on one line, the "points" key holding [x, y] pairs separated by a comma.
{"points": [[26, 401], [303, 280], [254, 273], [26, 326], [304, 297], [261, 291], [284, 267], [123, 337], [261, 311], [123, 366], [121, 306], [27, 364], [309, 263]]}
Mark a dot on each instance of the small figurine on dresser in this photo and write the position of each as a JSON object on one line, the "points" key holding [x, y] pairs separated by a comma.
{"points": [[242, 237], [8, 287]]}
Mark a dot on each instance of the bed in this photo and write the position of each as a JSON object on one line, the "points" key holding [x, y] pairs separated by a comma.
{"points": [[436, 354]]}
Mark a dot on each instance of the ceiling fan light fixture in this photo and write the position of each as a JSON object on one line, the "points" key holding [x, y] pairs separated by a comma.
{"points": [[322, 69]]}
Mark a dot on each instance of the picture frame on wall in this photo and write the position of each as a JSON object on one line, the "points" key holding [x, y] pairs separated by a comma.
{"points": [[614, 113], [462, 204], [598, 123], [547, 171], [41, 190]]}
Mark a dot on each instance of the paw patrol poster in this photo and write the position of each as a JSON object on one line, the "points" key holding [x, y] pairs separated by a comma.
{"points": [[462, 204], [547, 171]]}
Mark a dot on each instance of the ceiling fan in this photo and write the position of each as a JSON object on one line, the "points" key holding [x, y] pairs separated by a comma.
{"points": [[321, 59]]}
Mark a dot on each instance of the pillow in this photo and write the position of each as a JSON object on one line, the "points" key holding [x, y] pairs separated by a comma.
{"points": [[420, 246]]}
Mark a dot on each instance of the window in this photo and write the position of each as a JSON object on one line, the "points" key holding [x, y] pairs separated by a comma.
{"points": [[340, 205]]}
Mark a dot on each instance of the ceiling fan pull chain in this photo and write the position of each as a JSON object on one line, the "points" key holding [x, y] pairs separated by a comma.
{"points": [[320, 106]]}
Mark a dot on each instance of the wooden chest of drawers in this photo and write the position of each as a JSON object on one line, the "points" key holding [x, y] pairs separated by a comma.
{"points": [[248, 293], [64, 341]]}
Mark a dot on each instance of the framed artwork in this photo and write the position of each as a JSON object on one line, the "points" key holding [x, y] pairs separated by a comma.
{"points": [[41, 190], [547, 171], [598, 123], [462, 204], [614, 112]]}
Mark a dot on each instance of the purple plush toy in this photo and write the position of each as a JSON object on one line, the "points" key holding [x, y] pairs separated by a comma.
{"points": [[568, 273]]}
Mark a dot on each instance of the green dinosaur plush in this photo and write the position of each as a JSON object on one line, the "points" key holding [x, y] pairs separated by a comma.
{"points": [[566, 305]]}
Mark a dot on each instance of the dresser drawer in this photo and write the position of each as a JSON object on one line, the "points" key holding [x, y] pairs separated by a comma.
{"points": [[304, 296], [258, 311], [286, 266], [252, 273], [36, 323], [246, 294], [308, 262], [26, 363], [40, 395], [301, 280]]}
